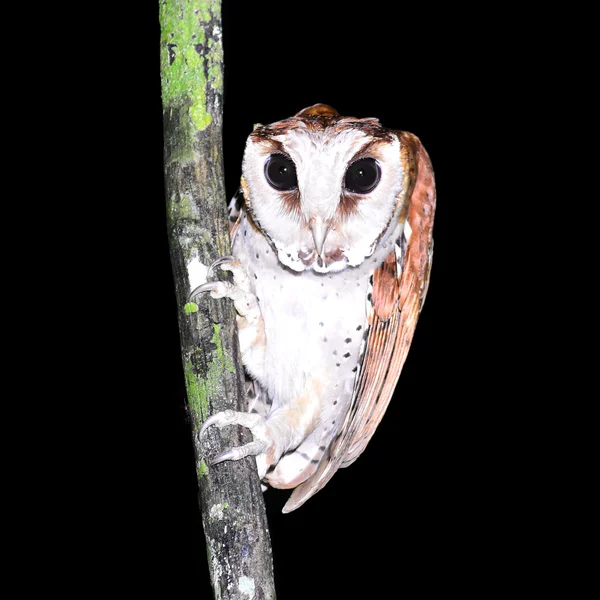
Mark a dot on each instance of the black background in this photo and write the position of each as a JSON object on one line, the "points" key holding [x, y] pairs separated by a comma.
{"points": [[426, 507]]}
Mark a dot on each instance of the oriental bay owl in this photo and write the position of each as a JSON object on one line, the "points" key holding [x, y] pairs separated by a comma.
{"points": [[331, 253]]}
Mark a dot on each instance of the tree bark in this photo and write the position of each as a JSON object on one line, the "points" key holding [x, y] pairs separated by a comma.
{"points": [[233, 513]]}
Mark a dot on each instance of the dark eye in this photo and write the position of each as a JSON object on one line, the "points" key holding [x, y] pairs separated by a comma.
{"points": [[363, 176], [281, 172]]}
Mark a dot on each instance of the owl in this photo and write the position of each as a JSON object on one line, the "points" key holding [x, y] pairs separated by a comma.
{"points": [[331, 254]]}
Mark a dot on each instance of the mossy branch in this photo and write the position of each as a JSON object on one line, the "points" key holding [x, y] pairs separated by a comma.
{"points": [[233, 514]]}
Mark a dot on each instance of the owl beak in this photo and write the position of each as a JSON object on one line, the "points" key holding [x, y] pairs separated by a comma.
{"points": [[319, 229]]}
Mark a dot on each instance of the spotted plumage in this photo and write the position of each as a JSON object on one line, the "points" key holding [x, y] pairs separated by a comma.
{"points": [[331, 254]]}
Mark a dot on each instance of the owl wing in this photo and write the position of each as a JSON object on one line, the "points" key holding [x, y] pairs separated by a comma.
{"points": [[399, 287], [234, 210]]}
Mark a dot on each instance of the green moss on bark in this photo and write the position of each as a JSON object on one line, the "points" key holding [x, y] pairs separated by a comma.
{"points": [[202, 469], [196, 391], [185, 61], [200, 390], [190, 307]]}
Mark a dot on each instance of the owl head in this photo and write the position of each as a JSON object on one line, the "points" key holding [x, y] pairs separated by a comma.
{"points": [[325, 190]]}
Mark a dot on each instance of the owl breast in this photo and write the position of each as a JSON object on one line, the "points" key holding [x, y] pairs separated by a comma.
{"points": [[314, 325]]}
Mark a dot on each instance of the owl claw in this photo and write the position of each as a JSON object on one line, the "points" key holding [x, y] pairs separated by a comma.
{"points": [[205, 287], [230, 263], [219, 419], [224, 289], [256, 423], [217, 289], [251, 449], [218, 262]]}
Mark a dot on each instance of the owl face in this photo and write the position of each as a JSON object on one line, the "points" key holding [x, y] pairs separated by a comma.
{"points": [[322, 188]]}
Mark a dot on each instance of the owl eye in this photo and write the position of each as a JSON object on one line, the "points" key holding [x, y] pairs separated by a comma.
{"points": [[280, 172], [362, 176]]}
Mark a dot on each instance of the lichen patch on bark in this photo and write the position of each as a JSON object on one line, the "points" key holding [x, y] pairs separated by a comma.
{"points": [[185, 61], [201, 389]]}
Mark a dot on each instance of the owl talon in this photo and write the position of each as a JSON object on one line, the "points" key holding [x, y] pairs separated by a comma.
{"points": [[219, 419], [251, 449], [217, 289], [205, 287], [219, 262], [232, 264], [254, 422], [261, 443], [223, 289]]}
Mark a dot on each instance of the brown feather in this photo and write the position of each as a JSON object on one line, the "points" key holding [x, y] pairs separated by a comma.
{"points": [[322, 110], [385, 288]]}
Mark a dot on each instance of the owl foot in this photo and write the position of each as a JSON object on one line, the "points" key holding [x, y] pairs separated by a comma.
{"points": [[231, 263], [239, 291], [257, 425], [251, 327]]}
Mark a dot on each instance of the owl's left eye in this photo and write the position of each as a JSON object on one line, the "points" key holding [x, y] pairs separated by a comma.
{"points": [[280, 172], [363, 176]]}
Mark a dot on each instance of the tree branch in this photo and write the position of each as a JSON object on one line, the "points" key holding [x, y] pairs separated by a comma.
{"points": [[233, 514]]}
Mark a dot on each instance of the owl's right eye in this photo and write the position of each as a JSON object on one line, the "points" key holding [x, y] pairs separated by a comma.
{"points": [[280, 172]]}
